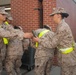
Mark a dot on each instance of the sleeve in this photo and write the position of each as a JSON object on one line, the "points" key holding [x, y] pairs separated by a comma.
{"points": [[19, 33], [51, 40], [10, 32], [5, 33]]}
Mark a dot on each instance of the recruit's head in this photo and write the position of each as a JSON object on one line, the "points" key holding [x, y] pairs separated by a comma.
{"points": [[59, 13], [3, 14]]}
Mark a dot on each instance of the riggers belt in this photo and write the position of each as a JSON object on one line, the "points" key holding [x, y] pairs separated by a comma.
{"points": [[5, 40], [67, 50], [40, 35]]}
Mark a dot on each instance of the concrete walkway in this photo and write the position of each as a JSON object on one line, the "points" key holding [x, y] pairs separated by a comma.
{"points": [[54, 71]]}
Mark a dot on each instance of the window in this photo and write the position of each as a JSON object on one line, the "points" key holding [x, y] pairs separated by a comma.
{"points": [[6, 4], [74, 1]]}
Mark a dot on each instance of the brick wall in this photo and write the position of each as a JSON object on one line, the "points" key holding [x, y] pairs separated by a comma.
{"points": [[48, 5], [26, 13]]}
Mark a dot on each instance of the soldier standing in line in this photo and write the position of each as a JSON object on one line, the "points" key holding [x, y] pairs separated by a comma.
{"points": [[43, 55], [14, 52], [4, 32], [13, 57], [7, 31], [64, 41]]}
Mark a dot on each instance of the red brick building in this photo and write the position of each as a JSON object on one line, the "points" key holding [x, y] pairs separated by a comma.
{"points": [[32, 14]]}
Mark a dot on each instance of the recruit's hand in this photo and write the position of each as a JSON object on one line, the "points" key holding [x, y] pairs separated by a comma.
{"points": [[28, 35], [35, 39]]}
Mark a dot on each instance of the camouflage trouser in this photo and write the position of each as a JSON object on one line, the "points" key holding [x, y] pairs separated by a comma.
{"points": [[1, 67], [48, 67], [68, 70], [2, 58], [13, 64], [43, 66]]}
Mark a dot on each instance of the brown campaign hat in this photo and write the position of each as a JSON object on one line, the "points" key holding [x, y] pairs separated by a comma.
{"points": [[58, 11], [2, 11]]}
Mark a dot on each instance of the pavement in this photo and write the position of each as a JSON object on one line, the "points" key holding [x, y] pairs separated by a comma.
{"points": [[54, 71]]}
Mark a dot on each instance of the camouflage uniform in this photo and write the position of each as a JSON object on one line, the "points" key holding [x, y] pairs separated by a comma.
{"points": [[63, 38], [43, 55], [15, 51], [14, 55], [6, 32], [25, 43], [2, 54]]}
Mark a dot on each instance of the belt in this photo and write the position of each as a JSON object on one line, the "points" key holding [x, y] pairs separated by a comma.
{"points": [[67, 50], [40, 35]]}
